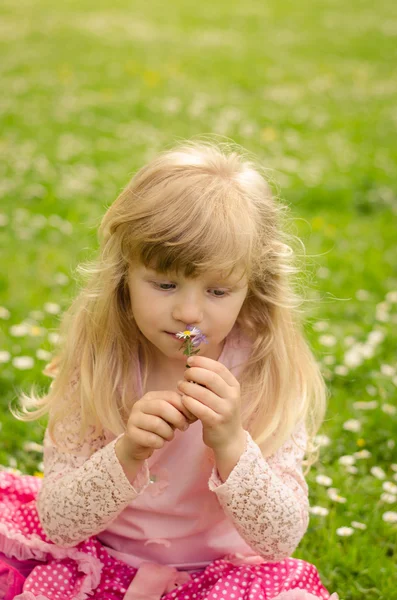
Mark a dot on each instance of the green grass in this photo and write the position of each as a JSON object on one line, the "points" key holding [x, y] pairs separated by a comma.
{"points": [[90, 91]]}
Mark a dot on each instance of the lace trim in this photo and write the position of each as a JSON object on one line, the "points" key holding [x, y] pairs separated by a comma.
{"points": [[81, 495], [267, 499]]}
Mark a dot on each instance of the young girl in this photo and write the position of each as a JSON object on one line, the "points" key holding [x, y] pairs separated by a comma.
{"points": [[164, 479]]}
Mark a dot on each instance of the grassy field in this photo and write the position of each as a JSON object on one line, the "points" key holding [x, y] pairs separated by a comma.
{"points": [[91, 90]]}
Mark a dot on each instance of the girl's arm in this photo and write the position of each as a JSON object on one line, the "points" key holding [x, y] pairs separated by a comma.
{"points": [[267, 498], [83, 491]]}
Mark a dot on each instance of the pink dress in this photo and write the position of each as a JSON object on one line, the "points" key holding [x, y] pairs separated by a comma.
{"points": [[177, 532]]}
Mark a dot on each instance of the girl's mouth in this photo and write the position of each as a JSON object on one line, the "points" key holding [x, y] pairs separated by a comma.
{"points": [[173, 335]]}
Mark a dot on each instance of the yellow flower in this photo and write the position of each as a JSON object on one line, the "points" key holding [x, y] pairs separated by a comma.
{"points": [[38, 474], [360, 442]]}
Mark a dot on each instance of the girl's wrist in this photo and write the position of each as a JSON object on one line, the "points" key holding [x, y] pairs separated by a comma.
{"points": [[227, 456]]}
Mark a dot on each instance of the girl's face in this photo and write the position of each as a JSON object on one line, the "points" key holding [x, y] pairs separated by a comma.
{"points": [[163, 304]]}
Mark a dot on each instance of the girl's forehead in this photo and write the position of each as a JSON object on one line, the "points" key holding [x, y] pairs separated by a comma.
{"points": [[236, 276]]}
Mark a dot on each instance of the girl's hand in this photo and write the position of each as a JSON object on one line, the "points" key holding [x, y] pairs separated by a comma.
{"points": [[152, 423], [217, 405]]}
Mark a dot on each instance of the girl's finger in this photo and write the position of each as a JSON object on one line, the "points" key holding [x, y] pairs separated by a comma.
{"points": [[212, 381], [202, 411], [156, 425], [202, 395], [216, 367]]}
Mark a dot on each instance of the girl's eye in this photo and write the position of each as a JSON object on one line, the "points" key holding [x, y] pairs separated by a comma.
{"points": [[160, 286]]}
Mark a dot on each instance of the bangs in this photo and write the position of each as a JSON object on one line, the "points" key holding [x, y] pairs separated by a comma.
{"points": [[200, 229]]}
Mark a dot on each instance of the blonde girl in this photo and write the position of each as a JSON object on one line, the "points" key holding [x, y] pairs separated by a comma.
{"points": [[155, 486]]}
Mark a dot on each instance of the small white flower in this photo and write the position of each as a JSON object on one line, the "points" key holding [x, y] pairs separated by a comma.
{"points": [[365, 405], [394, 467], [324, 480], [32, 447], [347, 459], [327, 340], [352, 469], [322, 440], [389, 409], [23, 362], [345, 531], [4, 313], [376, 336], [341, 370], [52, 308], [319, 510], [320, 326], [19, 330], [371, 390], [353, 358], [390, 517], [390, 444], [390, 487], [387, 370], [61, 279], [329, 360], [391, 296], [43, 354], [54, 338], [378, 472], [388, 498], [358, 525], [362, 454], [352, 425], [333, 495], [4, 356]]}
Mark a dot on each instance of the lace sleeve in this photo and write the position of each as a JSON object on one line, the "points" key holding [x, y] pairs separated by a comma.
{"points": [[85, 489], [267, 498]]}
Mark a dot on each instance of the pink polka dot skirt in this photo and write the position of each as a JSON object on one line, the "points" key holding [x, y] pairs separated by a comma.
{"points": [[34, 568]]}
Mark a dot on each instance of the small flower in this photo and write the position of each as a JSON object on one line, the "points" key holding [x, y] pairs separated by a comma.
{"points": [[322, 440], [188, 333], [4, 313], [333, 495], [378, 472], [389, 487], [362, 454], [369, 405], [319, 510], [52, 308], [4, 356], [352, 469], [345, 531], [347, 459], [192, 337], [358, 525], [23, 362], [388, 498], [390, 517], [389, 409], [324, 480], [352, 425]]}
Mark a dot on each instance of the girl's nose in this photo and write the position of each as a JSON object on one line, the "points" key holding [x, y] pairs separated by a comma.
{"points": [[191, 314]]}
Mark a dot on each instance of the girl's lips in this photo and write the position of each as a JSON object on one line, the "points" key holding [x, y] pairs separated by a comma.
{"points": [[172, 335]]}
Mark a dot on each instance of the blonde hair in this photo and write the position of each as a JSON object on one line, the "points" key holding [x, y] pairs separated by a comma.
{"points": [[199, 205]]}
